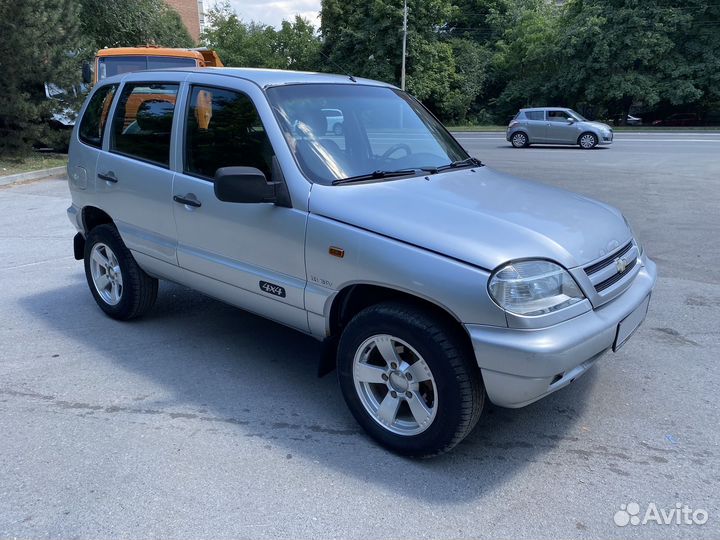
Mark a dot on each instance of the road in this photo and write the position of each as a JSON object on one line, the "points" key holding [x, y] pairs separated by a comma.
{"points": [[201, 420]]}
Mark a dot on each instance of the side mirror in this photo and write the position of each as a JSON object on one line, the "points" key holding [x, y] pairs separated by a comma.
{"points": [[243, 185], [570, 120], [87, 75]]}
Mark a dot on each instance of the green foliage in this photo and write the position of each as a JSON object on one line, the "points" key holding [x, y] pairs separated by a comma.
{"points": [[294, 46], [130, 23], [364, 38], [38, 37]]}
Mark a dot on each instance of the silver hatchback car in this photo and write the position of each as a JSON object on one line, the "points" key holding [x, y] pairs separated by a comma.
{"points": [[555, 125], [435, 282]]}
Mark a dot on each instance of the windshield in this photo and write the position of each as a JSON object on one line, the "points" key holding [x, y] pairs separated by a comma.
{"points": [[339, 131], [577, 116], [115, 65]]}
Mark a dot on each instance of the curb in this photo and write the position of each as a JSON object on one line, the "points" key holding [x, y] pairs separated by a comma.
{"points": [[32, 175]]}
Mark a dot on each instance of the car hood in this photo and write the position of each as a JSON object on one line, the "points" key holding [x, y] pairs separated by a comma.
{"points": [[597, 125], [479, 216]]}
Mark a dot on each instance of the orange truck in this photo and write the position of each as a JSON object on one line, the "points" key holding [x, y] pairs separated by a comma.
{"points": [[117, 60]]}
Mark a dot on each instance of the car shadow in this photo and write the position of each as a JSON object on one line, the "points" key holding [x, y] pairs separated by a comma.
{"points": [[236, 374]]}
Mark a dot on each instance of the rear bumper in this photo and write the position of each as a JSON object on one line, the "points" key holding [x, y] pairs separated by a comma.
{"points": [[520, 366]]}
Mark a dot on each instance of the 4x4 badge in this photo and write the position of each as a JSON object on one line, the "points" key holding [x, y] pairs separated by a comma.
{"points": [[270, 288]]}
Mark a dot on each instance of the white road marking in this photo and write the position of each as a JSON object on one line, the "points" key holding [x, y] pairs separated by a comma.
{"points": [[614, 141]]}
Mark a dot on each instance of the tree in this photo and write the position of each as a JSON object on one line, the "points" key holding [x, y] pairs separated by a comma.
{"points": [[294, 46], [525, 63], [39, 42], [618, 52], [698, 41], [364, 38], [130, 23]]}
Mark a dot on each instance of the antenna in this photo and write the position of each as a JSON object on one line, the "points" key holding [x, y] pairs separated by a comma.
{"points": [[340, 68]]}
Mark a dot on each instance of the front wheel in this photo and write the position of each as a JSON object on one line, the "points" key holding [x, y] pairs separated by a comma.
{"points": [[409, 379], [587, 141], [120, 287]]}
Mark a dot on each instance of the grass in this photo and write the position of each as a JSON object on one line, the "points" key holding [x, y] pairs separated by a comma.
{"points": [[615, 128], [33, 162]]}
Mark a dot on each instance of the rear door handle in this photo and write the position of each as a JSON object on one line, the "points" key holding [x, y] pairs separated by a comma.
{"points": [[189, 202], [109, 177]]}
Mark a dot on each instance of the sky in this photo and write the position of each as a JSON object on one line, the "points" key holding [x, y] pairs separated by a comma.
{"points": [[274, 11]]}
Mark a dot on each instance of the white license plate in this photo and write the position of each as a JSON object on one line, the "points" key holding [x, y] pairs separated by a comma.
{"points": [[629, 324]]}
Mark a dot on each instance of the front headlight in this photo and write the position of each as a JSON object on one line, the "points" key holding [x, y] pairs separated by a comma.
{"points": [[533, 287]]}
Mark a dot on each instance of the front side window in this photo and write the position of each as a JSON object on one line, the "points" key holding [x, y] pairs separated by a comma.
{"points": [[558, 116], [223, 129], [339, 131], [92, 125], [142, 123], [116, 65]]}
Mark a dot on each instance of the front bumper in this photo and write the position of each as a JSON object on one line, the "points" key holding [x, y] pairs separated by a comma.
{"points": [[606, 138], [520, 366]]}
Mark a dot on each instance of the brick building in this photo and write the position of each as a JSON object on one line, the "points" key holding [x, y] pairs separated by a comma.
{"points": [[192, 13]]}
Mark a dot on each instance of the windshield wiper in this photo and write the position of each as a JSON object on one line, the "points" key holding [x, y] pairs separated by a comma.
{"points": [[469, 162], [375, 175]]}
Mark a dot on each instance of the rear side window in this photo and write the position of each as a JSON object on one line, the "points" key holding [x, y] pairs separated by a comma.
{"points": [[224, 130], [93, 121], [535, 115], [142, 123]]}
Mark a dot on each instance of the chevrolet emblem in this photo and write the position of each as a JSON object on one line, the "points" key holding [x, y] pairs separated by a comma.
{"points": [[620, 264]]}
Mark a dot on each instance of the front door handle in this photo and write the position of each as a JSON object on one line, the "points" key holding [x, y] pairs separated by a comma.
{"points": [[109, 177], [188, 202]]}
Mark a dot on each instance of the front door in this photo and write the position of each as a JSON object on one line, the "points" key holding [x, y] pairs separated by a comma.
{"points": [[251, 255], [560, 128], [134, 180]]}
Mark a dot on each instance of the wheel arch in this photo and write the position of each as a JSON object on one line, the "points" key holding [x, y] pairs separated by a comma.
{"points": [[93, 216], [353, 298]]}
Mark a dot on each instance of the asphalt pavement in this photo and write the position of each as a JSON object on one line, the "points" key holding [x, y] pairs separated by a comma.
{"points": [[203, 421]]}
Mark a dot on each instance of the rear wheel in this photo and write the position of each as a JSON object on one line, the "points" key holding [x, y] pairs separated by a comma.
{"points": [[520, 140], [587, 141], [409, 379], [120, 287]]}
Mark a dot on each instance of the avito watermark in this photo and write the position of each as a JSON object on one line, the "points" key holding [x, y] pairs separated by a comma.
{"points": [[680, 514]]}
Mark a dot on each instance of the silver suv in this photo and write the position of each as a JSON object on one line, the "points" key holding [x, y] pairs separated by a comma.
{"points": [[435, 282], [555, 125]]}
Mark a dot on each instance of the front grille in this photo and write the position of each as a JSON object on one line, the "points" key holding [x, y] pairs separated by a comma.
{"points": [[604, 273], [607, 261], [617, 277]]}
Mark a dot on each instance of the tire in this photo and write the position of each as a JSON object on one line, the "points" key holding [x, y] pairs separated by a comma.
{"points": [[520, 140], [434, 408], [338, 129], [120, 287], [587, 141]]}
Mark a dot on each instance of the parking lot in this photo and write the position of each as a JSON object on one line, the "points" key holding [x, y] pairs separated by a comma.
{"points": [[203, 421]]}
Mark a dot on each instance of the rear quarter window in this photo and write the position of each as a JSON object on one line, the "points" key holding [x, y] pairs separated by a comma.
{"points": [[535, 115], [92, 124]]}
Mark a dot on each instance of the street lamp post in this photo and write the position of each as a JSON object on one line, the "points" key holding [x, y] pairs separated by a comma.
{"points": [[404, 47]]}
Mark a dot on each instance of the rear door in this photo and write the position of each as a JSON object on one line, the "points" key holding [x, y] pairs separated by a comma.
{"points": [[250, 254], [536, 126], [134, 178]]}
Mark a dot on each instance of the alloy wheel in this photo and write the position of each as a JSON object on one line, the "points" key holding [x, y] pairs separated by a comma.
{"points": [[395, 385], [106, 274]]}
